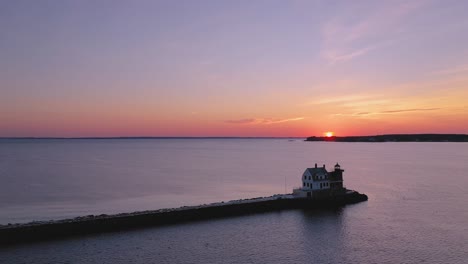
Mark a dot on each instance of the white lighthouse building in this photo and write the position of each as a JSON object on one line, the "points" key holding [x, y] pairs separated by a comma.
{"points": [[317, 181]]}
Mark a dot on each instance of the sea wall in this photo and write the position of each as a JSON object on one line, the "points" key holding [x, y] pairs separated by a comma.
{"points": [[30, 232]]}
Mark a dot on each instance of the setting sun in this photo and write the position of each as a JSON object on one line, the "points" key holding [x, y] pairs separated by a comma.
{"points": [[329, 134]]}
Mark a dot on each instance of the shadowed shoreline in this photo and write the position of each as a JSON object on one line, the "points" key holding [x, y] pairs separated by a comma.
{"points": [[396, 138]]}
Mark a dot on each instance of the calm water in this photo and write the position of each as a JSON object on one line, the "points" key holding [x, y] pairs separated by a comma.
{"points": [[417, 210]]}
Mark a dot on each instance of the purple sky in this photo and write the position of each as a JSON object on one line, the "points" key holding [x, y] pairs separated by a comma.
{"points": [[232, 68]]}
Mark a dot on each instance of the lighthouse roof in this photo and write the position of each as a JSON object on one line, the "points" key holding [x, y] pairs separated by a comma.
{"points": [[319, 170]]}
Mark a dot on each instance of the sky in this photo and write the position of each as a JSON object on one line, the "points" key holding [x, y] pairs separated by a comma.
{"points": [[232, 68]]}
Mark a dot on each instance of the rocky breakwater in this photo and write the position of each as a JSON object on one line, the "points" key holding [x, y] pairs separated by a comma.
{"points": [[44, 230]]}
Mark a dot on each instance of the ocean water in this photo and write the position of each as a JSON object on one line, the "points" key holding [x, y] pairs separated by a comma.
{"points": [[417, 210]]}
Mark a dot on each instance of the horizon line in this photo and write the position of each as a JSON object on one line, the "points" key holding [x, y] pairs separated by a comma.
{"points": [[224, 137], [151, 137]]}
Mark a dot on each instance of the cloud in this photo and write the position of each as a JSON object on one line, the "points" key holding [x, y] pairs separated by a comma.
{"points": [[262, 121], [345, 38], [241, 121], [387, 112], [454, 70], [408, 110], [284, 120], [334, 58], [350, 100], [362, 113]]}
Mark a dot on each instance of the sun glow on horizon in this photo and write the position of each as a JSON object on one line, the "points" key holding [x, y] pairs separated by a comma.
{"points": [[329, 134]]}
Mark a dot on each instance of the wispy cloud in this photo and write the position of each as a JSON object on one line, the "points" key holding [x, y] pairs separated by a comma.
{"points": [[408, 110], [453, 70], [284, 120], [388, 112], [242, 121], [344, 39], [334, 58], [262, 121], [347, 100]]}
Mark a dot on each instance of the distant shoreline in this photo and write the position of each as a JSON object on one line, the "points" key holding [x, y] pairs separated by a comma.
{"points": [[396, 138]]}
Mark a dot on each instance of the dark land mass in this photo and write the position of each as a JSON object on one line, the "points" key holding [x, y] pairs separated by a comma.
{"points": [[396, 138], [45, 230]]}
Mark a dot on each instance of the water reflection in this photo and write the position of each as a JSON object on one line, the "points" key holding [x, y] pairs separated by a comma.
{"points": [[321, 234], [416, 210]]}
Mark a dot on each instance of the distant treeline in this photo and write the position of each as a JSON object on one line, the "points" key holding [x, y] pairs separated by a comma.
{"points": [[397, 138]]}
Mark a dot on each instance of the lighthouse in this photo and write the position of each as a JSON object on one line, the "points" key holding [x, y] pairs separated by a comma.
{"points": [[336, 178], [318, 182]]}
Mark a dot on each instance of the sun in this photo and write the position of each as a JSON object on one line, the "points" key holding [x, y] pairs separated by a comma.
{"points": [[329, 134]]}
